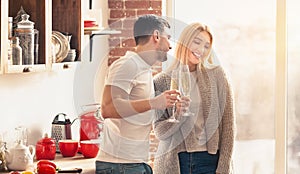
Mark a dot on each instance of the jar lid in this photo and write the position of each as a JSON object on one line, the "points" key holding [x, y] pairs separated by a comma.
{"points": [[46, 140], [25, 22]]}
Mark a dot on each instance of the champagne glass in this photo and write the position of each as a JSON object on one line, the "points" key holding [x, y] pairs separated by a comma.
{"points": [[185, 85], [174, 85], [21, 135]]}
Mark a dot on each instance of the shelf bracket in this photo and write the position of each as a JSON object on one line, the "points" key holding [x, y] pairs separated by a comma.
{"points": [[91, 4]]}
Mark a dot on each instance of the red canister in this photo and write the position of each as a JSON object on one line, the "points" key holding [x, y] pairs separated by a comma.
{"points": [[45, 148]]}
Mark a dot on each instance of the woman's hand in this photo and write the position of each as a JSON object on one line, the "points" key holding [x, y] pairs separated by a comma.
{"points": [[182, 105]]}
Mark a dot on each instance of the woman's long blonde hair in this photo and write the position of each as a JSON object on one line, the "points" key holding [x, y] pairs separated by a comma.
{"points": [[185, 39]]}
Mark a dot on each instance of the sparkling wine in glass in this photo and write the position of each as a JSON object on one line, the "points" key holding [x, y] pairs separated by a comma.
{"points": [[174, 85], [185, 85]]}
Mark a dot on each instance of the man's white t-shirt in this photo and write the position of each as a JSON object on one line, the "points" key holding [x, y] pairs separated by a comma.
{"points": [[126, 140]]}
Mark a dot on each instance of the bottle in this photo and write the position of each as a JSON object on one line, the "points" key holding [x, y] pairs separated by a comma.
{"points": [[10, 25], [9, 53], [16, 51]]}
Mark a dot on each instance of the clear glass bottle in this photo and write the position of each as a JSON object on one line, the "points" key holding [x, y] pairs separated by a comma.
{"points": [[16, 51], [10, 27]]}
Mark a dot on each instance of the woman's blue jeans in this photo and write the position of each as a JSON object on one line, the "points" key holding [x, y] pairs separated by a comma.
{"points": [[198, 162], [122, 168]]}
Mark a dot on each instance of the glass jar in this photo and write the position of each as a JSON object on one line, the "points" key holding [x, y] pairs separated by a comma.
{"points": [[26, 33], [16, 51]]}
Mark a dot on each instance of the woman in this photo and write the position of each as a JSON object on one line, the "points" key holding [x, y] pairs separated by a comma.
{"points": [[201, 143]]}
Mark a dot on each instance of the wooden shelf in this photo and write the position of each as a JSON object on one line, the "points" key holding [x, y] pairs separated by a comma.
{"points": [[99, 31]]}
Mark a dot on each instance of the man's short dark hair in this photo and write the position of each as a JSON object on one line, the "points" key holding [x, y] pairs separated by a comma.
{"points": [[145, 26]]}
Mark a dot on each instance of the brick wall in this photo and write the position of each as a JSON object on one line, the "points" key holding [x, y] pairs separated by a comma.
{"points": [[122, 14]]}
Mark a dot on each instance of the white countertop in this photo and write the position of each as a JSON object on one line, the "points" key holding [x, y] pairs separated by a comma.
{"points": [[86, 164]]}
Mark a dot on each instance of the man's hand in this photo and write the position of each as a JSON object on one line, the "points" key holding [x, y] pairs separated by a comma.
{"points": [[165, 100]]}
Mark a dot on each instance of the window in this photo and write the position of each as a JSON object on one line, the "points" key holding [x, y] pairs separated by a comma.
{"points": [[293, 52]]}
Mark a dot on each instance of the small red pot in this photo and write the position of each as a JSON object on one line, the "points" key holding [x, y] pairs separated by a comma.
{"points": [[45, 148]]}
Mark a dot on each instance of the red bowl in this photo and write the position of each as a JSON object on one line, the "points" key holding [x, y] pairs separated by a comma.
{"points": [[68, 148], [89, 148]]}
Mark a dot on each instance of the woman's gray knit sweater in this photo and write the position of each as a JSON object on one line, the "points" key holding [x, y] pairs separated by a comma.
{"points": [[218, 112]]}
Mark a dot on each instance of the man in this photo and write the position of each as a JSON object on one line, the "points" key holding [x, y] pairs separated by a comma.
{"points": [[128, 100]]}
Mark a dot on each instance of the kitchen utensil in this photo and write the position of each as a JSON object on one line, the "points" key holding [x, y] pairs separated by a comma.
{"points": [[45, 148], [89, 148], [68, 148], [20, 156], [61, 129], [70, 170]]}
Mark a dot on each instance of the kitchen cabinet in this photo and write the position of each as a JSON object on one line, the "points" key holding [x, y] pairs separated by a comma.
{"points": [[48, 16]]}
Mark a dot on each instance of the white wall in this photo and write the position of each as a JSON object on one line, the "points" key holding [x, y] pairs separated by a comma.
{"points": [[33, 99]]}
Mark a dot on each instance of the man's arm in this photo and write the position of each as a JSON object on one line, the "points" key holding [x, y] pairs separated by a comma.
{"points": [[116, 103]]}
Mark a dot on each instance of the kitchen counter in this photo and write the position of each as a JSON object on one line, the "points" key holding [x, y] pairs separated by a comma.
{"points": [[86, 164]]}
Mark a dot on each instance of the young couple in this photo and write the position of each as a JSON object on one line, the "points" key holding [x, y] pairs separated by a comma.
{"points": [[132, 103]]}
